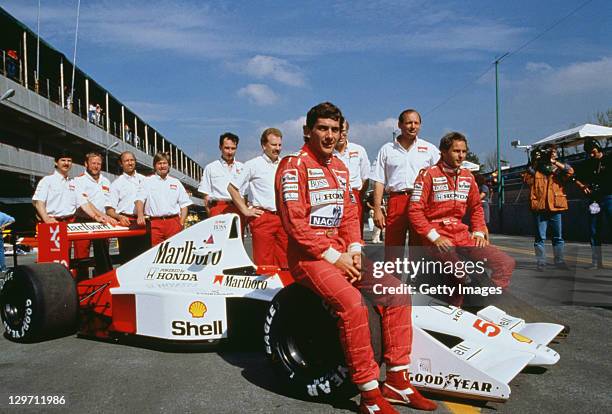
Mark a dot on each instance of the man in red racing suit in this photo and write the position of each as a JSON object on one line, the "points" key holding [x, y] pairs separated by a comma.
{"points": [[442, 195], [324, 252]]}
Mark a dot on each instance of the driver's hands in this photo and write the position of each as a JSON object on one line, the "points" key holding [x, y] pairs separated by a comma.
{"points": [[443, 244], [141, 221], [346, 263], [480, 241]]}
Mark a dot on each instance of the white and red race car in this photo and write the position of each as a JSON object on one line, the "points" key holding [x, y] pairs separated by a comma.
{"points": [[178, 291]]}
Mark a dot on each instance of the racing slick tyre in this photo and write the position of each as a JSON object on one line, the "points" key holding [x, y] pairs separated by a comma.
{"points": [[38, 302], [301, 340]]}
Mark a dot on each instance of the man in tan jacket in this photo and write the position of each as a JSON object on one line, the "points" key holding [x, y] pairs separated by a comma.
{"points": [[546, 177]]}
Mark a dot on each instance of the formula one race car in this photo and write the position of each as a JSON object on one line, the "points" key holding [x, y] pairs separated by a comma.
{"points": [[179, 290]]}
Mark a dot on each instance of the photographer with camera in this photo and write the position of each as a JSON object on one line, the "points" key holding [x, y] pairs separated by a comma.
{"points": [[546, 177], [594, 178]]}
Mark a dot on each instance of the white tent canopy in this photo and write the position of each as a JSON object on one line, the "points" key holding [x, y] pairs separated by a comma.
{"points": [[576, 136]]}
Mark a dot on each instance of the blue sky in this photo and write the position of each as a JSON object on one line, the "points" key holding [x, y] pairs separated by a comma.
{"points": [[194, 69]]}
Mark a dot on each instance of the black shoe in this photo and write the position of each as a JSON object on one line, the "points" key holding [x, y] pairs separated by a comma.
{"points": [[562, 266], [594, 266], [540, 267]]}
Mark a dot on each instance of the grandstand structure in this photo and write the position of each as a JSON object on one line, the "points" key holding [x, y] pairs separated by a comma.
{"points": [[43, 116]]}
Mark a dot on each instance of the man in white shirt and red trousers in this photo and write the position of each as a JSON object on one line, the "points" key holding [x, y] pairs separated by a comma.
{"points": [[396, 168], [121, 205], [92, 190], [217, 176], [164, 200], [355, 157], [269, 237]]}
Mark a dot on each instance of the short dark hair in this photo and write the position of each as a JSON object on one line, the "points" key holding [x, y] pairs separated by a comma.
{"points": [[591, 143], [400, 118], [62, 154], [228, 135], [447, 140], [161, 156], [269, 131], [325, 110]]}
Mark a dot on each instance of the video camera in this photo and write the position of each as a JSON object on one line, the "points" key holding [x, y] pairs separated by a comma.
{"points": [[541, 159]]}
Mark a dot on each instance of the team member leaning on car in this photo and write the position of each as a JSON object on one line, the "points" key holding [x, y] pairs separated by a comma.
{"points": [[54, 198], [92, 190], [546, 177], [442, 195], [121, 205], [164, 200], [269, 237], [324, 253]]}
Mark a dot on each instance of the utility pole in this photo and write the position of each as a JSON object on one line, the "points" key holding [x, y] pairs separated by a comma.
{"points": [[500, 180]]}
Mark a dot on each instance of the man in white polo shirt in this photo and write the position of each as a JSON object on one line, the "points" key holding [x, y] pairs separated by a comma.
{"points": [[269, 237], [356, 160], [121, 205], [54, 198], [397, 167], [218, 174], [164, 200], [91, 190]]}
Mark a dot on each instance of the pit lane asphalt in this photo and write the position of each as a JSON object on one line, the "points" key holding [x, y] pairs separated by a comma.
{"points": [[236, 378]]}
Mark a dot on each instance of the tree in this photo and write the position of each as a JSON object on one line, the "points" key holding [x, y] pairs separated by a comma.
{"points": [[491, 161], [604, 118]]}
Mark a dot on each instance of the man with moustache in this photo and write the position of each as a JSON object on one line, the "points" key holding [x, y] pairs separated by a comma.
{"points": [[217, 176], [356, 160], [269, 237], [164, 199], [92, 190], [55, 198], [324, 254], [397, 166], [121, 205]]}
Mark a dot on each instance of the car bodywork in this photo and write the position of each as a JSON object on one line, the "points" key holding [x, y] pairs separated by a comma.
{"points": [[178, 291]]}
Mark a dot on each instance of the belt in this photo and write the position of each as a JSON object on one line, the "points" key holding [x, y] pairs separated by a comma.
{"points": [[165, 217], [398, 193], [212, 203], [132, 216], [268, 211], [446, 220]]}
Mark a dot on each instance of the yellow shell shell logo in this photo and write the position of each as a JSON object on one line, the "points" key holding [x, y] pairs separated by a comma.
{"points": [[197, 309], [521, 338]]}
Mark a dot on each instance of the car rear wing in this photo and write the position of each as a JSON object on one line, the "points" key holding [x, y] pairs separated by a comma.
{"points": [[54, 239]]}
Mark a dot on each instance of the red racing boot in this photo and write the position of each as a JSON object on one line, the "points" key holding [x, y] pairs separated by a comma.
{"points": [[397, 389], [373, 402]]}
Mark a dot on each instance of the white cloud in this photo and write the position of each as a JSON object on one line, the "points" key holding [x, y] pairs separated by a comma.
{"points": [[537, 67], [280, 70], [581, 77], [573, 79], [372, 135], [259, 94]]}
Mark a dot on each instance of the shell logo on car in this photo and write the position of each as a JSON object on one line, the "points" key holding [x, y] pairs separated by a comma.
{"points": [[197, 309]]}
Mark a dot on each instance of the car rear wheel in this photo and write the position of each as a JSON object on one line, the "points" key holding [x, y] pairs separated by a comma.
{"points": [[38, 302], [302, 342]]}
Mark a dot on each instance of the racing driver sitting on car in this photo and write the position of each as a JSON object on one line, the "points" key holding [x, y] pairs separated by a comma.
{"points": [[442, 195], [324, 252]]}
